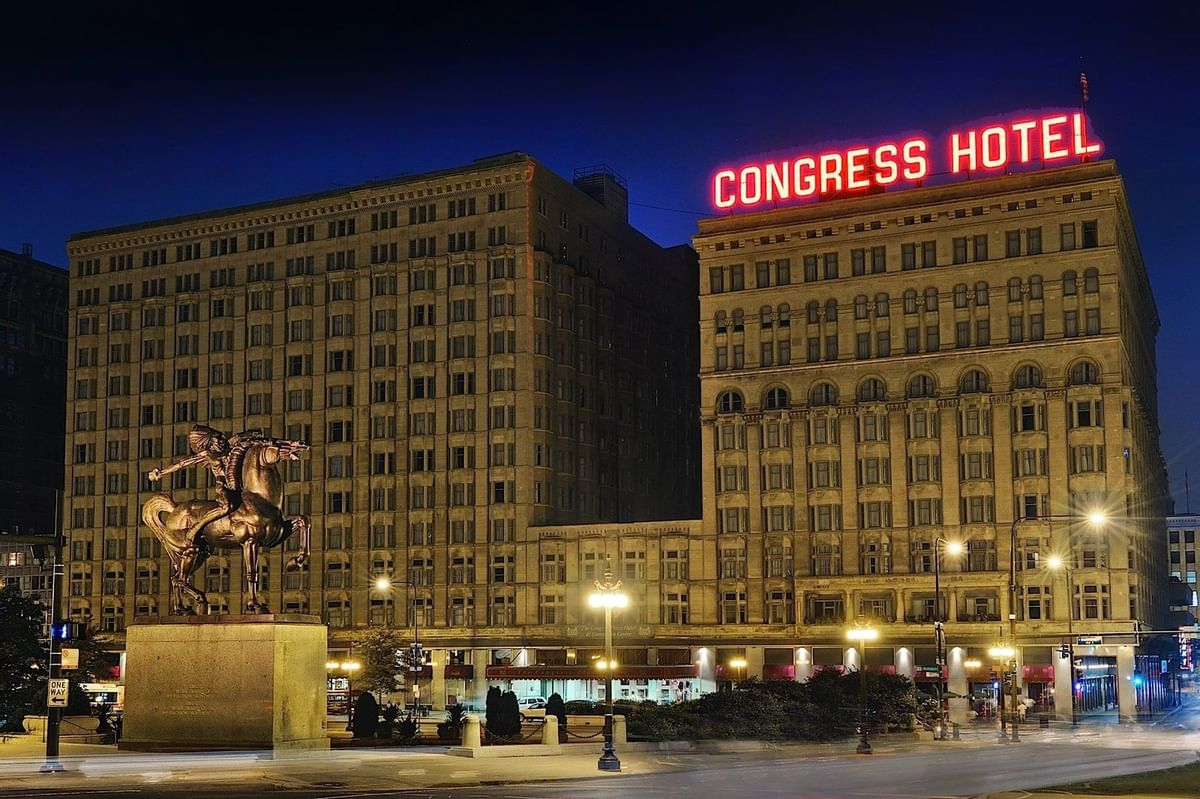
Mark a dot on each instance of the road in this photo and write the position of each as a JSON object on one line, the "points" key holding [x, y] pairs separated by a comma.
{"points": [[942, 770]]}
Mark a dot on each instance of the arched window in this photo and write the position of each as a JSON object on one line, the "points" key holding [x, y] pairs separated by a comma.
{"points": [[764, 316], [823, 394], [871, 390], [1027, 376], [973, 382], [910, 301], [722, 322], [739, 320], [730, 402], [1091, 281], [812, 312], [1084, 373], [860, 306], [920, 386], [1069, 283], [776, 399], [881, 304], [785, 315], [960, 295], [1035, 287], [831, 311], [931, 299], [981, 293], [1014, 289]]}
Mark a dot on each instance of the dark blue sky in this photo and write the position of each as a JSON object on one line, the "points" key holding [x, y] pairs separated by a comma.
{"points": [[113, 116]]}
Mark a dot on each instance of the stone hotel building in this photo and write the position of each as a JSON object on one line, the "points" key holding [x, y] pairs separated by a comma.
{"points": [[471, 353], [882, 371]]}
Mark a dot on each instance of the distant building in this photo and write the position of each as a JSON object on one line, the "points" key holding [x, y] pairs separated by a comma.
{"points": [[33, 379], [1181, 557]]}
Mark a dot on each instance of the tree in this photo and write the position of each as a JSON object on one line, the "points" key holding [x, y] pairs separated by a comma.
{"points": [[492, 711], [379, 649], [366, 716], [22, 656], [510, 715]]}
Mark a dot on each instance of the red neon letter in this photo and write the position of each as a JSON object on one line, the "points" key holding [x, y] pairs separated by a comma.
{"points": [[721, 197], [995, 151], [885, 164], [1080, 137], [856, 165], [914, 156], [1022, 129], [831, 172], [751, 193], [1049, 139], [777, 181], [957, 152], [804, 185]]}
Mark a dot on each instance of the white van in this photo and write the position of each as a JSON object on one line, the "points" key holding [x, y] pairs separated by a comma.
{"points": [[532, 707]]}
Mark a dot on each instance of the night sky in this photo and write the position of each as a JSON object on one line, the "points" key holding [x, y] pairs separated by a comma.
{"points": [[110, 116]]}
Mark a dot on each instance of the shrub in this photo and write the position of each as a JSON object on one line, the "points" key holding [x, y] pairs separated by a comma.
{"points": [[491, 712], [366, 716], [451, 728], [409, 728], [388, 715], [556, 707]]}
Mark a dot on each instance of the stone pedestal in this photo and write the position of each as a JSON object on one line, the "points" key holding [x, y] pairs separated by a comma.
{"points": [[226, 682]]}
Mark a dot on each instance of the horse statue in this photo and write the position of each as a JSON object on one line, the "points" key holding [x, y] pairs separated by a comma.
{"points": [[190, 531]]}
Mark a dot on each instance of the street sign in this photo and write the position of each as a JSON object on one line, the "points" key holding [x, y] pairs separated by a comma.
{"points": [[1089, 640], [58, 693], [70, 658]]}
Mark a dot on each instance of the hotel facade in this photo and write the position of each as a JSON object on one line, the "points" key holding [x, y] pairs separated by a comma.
{"points": [[890, 377]]}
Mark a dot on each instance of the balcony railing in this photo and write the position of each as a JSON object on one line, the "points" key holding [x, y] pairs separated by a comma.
{"points": [[825, 618]]}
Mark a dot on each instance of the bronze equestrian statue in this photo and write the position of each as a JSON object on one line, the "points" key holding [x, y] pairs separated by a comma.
{"points": [[247, 516]]}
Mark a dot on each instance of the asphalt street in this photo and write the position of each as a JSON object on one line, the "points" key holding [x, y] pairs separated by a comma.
{"points": [[932, 771]]}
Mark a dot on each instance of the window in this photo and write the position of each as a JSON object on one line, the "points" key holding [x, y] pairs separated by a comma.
{"points": [[1033, 241], [776, 399], [1067, 236], [1028, 376], [730, 402], [871, 390], [823, 394], [1069, 286], [1084, 373], [921, 386], [1091, 281], [974, 382], [1090, 238]]}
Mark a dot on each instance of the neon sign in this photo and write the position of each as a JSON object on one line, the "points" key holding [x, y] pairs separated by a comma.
{"points": [[1023, 141]]}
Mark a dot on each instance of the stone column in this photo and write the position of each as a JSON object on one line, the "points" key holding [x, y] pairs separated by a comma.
{"points": [[437, 679], [804, 663], [1126, 696], [550, 731], [1064, 687], [706, 663], [476, 687], [471, 735], [957, 683], [754, 662], [904, 662], [620, 737]]}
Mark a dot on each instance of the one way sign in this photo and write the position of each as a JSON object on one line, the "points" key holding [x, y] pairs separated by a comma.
{"points": [[58, 693]]}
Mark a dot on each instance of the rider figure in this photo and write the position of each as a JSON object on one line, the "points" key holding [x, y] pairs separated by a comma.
{"points": [[211, 449]]}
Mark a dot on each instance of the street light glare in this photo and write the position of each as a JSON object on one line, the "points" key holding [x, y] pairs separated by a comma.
{"points": [[738, 663], [382, 583], [608, 599], [862, 634], [972, 663], [954, 548], [1002, 652], [1098, 517], [1054, 562]]}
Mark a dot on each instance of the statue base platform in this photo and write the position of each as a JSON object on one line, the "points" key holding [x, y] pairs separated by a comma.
{"points": [[200, 683]]}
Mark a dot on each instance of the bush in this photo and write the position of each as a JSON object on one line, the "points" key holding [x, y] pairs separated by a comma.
{"points": [[366, 716], [388, 715], [409, 728], [556, 707], [451, 728]]}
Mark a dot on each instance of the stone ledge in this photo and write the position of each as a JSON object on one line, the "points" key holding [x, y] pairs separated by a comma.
{"points": [[516, 750]]}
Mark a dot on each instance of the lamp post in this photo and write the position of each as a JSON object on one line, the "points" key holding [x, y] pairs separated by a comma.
{"points": [[860, 633], [608, 595], [1097, 518], [416, 659], [1005, 654], [738, 664], [1056, 563], [939, 628]]}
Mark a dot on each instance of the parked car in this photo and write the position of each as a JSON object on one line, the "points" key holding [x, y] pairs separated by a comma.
{"points": [[532, 707]]}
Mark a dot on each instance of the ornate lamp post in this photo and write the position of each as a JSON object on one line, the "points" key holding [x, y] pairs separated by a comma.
{"points": [[860, 633], [1007, 656], [1097, 518], [738, 664], [1056, 563], [416, 659], [608, 595], [939, 630]]}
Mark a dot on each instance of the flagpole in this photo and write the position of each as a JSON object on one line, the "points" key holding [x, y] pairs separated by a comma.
{"points": [[1083, 98]]}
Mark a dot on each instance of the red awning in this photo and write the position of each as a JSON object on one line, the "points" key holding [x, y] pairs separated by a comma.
{"points": [[632, 672]]}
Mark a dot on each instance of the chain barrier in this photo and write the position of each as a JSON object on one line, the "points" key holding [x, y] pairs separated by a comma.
{"points": [[577, 736]]}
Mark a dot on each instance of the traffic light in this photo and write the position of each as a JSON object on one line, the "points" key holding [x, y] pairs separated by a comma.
{"points": [[1064, 652], [416, 657], [69, 631], [1007, 681], [1138, 679]]}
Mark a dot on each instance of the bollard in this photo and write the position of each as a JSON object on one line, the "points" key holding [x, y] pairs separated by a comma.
{"points": [[619, 734], [470, 736], [954, 736], [550, 731]]}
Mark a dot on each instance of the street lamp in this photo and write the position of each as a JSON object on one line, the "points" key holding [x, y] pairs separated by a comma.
{"points": [[1057, 563], [416, 657], [939, 631], [1006, 654], [738, 664], [1097, 518], [860, 633], [608, 595]]}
